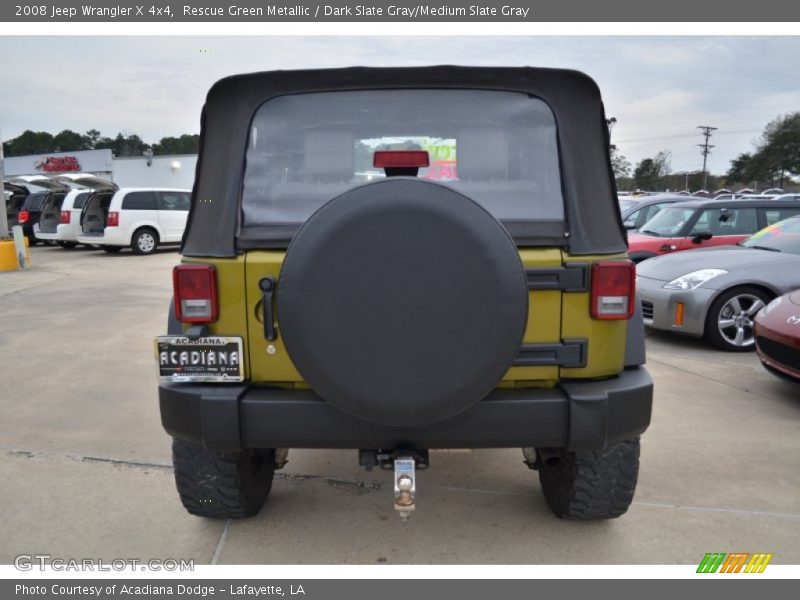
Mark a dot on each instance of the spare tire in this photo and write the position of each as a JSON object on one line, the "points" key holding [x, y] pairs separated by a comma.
{"points": [[402, 302]]}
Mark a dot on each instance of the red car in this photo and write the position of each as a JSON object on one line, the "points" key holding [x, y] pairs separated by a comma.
{"points": [[777, 332], [704, 223]]}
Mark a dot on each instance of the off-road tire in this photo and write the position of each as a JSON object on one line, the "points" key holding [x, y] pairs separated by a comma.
{"points": [[591, 485], [222, 485], [144, 241]]}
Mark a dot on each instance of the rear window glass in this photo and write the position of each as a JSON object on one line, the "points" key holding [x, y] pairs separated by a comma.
{"points": [[726, 221], [35, 201], [783, 236], [80, 200], [174, 201], [498, 148], [775, 215], [139, 201], [668, 222]]}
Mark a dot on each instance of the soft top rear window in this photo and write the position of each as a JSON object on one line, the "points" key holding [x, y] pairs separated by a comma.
{"points": [[499, 148]]}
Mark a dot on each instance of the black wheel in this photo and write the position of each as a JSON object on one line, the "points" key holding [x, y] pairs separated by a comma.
{"points": [[222, 485], [590, 485], [112, 249], [730, 320], [144, 241], [32, 241]]}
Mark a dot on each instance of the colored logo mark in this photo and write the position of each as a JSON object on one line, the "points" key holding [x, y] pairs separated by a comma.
{"points": [[736, 562]]}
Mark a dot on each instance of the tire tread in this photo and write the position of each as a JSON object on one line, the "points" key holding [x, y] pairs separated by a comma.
{"points": [[221, 485], [592, 485]]}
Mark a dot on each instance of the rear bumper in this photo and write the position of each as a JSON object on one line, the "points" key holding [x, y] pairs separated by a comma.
{"points": [[66, 233], [111, 236], [575, 415], [91, 239]]}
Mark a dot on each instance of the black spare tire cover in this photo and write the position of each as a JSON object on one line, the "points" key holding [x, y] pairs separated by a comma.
{"points": [[402, 302]]}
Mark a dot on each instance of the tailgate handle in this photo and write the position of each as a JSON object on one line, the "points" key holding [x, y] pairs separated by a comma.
{"points": [[267, 285]]}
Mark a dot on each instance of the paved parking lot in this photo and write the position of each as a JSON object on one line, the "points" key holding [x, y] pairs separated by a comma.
{"points": [[86, 470]]}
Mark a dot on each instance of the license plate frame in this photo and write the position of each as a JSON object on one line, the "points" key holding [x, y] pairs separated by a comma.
{"points": [[207, 359]]}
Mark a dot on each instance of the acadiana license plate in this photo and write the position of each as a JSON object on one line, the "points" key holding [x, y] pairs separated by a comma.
{"points": [[205, 359]]}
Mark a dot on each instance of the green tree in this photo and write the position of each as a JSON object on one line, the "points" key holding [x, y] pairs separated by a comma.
{"points": [[122, 145], [620, 165], [781, 148], [651, 172], [69, 141], [776, 154], [740, 170], [29, 142], [91, 138], [185, 144]]}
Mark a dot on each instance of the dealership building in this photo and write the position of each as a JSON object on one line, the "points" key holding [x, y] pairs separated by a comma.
{"points": [[174, 171]]}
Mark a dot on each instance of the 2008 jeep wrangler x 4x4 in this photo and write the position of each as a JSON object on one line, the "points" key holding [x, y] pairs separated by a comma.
{"points": [[396, 260]]}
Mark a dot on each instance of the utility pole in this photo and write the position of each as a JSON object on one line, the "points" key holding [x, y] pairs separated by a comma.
{"points": [[610, 124], [706, 150]]}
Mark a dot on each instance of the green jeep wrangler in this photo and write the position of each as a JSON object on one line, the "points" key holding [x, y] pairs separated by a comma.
{"points": [[396, 260]]}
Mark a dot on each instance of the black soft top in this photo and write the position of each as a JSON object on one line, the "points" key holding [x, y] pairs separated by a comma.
{"points": [[593, 223]]}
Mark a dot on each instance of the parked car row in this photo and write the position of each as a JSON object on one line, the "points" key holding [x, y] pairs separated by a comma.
{"points": [[739, 297], [701, 223], [722, 266], [73, 209]]}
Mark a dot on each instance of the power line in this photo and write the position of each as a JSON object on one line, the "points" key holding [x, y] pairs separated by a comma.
{"points": [[684, 135], [707, 129]]}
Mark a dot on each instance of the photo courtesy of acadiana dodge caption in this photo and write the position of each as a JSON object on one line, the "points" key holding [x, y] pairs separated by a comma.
{"points": [[400, 260]]}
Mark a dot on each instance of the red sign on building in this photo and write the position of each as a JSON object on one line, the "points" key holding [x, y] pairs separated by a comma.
{"points": [[58, 164]]}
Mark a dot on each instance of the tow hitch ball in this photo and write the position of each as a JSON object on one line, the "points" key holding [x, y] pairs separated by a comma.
{"points": [[405, 464], [405, 486]]}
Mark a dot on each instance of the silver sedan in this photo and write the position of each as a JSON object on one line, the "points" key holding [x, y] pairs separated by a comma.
{"points": [[717, 292]]}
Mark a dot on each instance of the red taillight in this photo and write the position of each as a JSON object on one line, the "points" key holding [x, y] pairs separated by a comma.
{"points": [[23, 217], [112, 220], [400, 159], [613, 289], [64, 219], [195, 288]]}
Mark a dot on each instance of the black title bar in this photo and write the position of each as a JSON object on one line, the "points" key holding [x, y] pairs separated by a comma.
{"points": [[265, 11]]}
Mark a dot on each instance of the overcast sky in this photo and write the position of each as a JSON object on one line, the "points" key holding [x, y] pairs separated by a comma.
{"points": [[658, 88]]}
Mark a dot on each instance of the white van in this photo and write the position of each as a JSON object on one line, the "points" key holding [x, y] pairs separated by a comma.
{"points": [[60, 218], [141, 218]]}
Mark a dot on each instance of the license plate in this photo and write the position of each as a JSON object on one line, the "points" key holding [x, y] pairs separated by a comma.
{"points": [[205, 359]]}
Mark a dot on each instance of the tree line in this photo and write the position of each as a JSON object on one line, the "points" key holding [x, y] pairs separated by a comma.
{"points": [[774, 160], [43, 142]]}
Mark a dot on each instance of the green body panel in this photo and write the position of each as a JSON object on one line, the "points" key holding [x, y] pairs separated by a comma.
{"points": [[265, 366], [552, 317], [544, 321], [607, 338]]}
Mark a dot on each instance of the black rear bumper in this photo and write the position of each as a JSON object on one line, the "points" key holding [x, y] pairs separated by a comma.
{"points": [[576, 415]]}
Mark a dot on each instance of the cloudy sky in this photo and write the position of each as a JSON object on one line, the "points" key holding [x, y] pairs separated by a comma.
{"points": [[658, 88]]}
